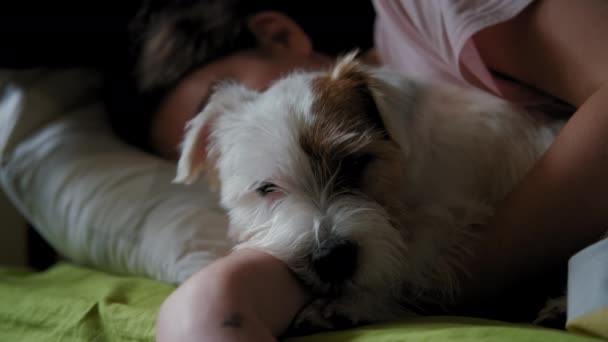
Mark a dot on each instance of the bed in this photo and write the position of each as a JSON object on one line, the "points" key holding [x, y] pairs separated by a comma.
{"points": [[127, 236], [71, 303]]}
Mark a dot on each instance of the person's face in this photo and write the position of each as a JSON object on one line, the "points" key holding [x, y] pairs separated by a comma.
{"points": [[282, 47]]}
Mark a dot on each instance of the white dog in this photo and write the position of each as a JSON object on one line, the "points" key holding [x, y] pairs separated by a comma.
{"points": [[370, 186]]}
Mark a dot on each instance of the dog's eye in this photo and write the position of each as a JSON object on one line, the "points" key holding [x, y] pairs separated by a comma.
{"points": [[364, 160], [266, 188], [358, 162]]}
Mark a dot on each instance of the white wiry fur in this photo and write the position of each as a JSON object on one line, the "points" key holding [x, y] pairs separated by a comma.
{"points": [[452, 154]]}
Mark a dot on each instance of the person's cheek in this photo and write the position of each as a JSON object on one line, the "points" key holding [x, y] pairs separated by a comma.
{"points": [[261, 75]]}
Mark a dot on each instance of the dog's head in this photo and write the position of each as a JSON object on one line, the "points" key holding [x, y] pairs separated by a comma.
{"points": [[310, 171]]}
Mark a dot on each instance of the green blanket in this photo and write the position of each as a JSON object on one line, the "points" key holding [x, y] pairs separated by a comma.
{"points": [[69, 303]]}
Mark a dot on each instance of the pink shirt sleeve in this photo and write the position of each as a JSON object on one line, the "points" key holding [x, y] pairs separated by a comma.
{"points": [[431, 40]]}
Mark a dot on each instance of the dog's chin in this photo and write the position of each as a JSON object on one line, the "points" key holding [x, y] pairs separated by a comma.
{"points": [[371, 294], [349, 304]]}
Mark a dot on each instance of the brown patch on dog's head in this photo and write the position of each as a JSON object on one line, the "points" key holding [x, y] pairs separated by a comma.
{"points": [[349, 146], [347, 128]]}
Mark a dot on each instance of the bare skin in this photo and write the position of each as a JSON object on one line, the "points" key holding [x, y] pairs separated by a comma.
{"points": [[247, 296], [557, 46], [562, 202]]}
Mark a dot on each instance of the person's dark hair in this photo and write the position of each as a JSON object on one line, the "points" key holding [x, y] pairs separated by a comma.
{"points": [[172, 37]]}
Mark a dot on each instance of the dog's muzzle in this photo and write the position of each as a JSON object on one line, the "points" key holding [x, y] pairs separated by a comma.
{"points": [[335, 261]]}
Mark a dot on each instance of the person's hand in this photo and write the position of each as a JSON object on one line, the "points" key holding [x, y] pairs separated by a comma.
{"points": [[245, 296]]}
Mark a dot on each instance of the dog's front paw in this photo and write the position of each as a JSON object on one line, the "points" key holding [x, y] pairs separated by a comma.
{"points": [[311, 318], [324, 314]]}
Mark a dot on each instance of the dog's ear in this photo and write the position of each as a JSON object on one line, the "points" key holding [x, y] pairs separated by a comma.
{"points": [[349, 81], [392, 95], [396, 99], [197, 149]]}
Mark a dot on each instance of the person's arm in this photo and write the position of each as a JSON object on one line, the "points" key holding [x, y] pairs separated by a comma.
{"points": [[561, 48], [245, 296]]}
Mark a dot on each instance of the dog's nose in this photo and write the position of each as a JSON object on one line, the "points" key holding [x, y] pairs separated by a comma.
{"points": [[335, 260]]}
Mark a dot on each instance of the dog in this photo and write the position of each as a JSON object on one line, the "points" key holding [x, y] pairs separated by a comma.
{"points": [[370, 186]]}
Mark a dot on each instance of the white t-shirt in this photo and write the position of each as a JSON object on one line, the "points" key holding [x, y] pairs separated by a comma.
{"points": [[432, 40]]}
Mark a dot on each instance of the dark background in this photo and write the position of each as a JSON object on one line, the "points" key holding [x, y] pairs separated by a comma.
{"points": [[60, 33]]}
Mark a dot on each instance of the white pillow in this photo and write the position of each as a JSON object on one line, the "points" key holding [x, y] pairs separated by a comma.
{"points": [[102, 203], [31, 98]]}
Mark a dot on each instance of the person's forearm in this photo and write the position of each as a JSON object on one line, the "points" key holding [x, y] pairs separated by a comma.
{"points": [[246, 296], [267, 286], [560, 207]]}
